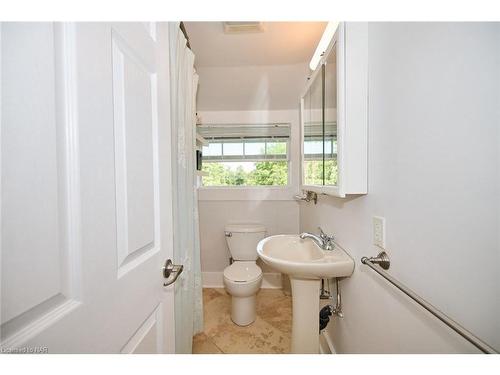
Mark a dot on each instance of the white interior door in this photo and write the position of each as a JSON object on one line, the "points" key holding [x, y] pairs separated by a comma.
{"points": [[85, 187]]}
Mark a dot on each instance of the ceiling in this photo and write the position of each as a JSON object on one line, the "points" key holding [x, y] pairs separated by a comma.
{"points": [[251, 88], [281, 43]]}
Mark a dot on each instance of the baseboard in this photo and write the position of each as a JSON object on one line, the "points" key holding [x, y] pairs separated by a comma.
{"points": [[216, 280], [271, 280], [212, 279], [325, 344]]}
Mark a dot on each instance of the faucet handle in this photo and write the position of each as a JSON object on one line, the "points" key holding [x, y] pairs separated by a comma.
{"points": [[327, 240], [322, 234]]}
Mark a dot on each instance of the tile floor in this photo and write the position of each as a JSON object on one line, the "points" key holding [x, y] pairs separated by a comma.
{"points": [[270, 333]]}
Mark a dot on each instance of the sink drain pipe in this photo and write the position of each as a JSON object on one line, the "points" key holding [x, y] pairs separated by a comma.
{"points": [[329, 310]]}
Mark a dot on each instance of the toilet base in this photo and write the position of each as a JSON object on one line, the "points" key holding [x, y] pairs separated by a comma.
{"points": [[243, 310]]}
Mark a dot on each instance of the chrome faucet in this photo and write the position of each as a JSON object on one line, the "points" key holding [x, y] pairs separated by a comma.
{"points": [[324, 241]]}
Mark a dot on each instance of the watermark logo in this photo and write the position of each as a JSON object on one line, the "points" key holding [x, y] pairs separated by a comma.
{"points": [[25, 350]]}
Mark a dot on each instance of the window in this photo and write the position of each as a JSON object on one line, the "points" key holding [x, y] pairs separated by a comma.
{"points": [[246, 155]]}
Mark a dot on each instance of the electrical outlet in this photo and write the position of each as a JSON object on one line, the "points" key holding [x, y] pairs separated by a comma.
{"points": [[379, 231]]}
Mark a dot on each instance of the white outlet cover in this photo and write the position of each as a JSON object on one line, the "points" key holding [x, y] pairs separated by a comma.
{"points": [[379, 231]]}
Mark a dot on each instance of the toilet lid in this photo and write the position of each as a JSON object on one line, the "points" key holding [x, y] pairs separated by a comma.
{"points": [[242, 271]]}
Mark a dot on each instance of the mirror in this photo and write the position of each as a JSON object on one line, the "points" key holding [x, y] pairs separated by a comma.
{"points": [[330, 119], [320, 125], [313, 162]]}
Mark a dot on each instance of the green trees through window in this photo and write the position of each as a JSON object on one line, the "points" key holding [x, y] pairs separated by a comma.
{"points": [[313, 172], [264, 173], [246, 173]]}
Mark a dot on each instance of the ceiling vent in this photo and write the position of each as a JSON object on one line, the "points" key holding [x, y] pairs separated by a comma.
{"points": [[241, 27]]}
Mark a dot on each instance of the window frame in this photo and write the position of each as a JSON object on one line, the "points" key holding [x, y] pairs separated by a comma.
{"points": [[253, 159], [291, 117]]}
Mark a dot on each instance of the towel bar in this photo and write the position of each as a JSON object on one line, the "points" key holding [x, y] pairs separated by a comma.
{"points": [[383, 261]]}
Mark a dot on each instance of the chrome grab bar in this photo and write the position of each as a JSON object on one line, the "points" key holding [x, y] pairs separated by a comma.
{"points": [[383, 261]]}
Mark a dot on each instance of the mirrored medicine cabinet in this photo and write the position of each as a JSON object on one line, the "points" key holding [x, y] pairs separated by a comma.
{"points": [[334, 116]]}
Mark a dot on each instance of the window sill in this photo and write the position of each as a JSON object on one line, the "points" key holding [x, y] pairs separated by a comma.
{"points": [[258, 193]]}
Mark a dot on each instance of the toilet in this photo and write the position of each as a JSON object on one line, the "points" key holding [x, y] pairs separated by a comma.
{"points": [[243, 277]]}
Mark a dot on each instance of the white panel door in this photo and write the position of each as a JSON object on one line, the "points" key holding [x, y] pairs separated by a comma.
{"points": [[86, 217]]}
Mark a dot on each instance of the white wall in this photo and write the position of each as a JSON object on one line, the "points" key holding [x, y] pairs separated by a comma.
{"points": [[273, 207], [279, 217], [434, 174]]}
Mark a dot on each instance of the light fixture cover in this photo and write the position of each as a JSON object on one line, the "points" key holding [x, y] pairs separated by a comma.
{"points": [[239, 27], [327, 36]]}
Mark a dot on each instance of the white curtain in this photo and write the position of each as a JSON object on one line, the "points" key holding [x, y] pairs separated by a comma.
{"points": [[188, 290]]}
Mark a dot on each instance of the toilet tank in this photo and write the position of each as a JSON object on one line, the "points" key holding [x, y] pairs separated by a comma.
{"points": [[242, 240]]}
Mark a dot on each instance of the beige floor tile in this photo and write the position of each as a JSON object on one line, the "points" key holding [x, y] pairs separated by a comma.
{"points": [[210, 294], [202, 344], [270, 333], [259, 337], [276, 309]]}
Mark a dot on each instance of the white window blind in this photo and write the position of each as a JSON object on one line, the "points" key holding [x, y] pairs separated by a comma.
{"points": [[214, 131], [245, 142]]}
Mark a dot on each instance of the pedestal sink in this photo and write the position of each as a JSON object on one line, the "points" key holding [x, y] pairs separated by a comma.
{"points": [[306, 264]]}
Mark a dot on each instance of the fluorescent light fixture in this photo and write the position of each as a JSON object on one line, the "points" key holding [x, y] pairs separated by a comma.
{"points": [[327, 36]]}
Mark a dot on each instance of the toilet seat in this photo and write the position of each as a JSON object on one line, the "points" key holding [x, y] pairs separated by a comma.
{"points": [[242, 272]]}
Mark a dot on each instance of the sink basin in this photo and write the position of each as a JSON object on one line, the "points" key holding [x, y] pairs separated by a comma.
{"points": [[306, 264], [303, 258]]}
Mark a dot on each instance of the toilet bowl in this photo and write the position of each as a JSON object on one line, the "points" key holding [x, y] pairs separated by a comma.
{"points": [[242, 281], [243, 278]]}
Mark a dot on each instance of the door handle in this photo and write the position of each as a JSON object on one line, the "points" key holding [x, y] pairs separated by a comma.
{"points": [[171, 272]]}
